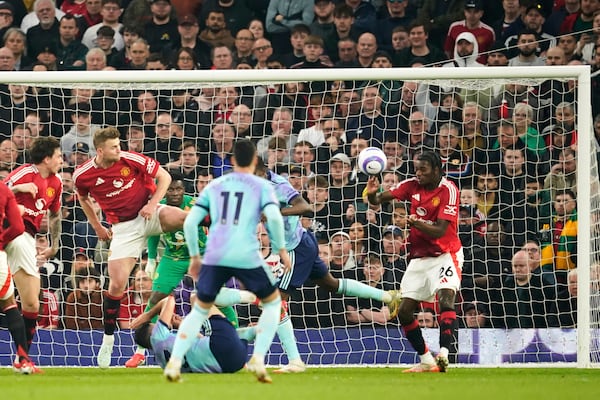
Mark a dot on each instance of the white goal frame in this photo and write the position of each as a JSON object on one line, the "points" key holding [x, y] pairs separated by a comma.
{"points": [[121, 79]]}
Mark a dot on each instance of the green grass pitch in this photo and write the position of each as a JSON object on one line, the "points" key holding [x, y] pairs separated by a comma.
{"points": [[315, 384]]}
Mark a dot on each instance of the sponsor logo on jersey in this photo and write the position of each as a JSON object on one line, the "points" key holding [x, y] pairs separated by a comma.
{"points": [[450, 210], [125, 171], [40, 203], [416, 197], [50, 192], [421, 212], [99, 181], [32, 213], [120, 188], [118, 183]]}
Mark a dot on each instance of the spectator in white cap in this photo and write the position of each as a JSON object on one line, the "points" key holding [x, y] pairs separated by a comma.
{"points": [[466, 51], [342, 256]]}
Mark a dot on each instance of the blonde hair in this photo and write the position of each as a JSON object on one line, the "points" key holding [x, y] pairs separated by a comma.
{"points": [[104, 134]]}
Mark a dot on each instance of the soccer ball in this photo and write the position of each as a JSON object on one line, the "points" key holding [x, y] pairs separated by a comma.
{"points": [[372, 161]]}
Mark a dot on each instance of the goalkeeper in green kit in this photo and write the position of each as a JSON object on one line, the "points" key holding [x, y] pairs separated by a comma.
{"points": [[174, 263]]}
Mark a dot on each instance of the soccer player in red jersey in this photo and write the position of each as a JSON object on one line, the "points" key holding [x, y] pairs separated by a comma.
{"points": [[436, 254], [10, 217], [38, 189], [123, 184]]}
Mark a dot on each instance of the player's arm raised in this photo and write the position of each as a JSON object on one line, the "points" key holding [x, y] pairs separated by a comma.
{"points": [[163, 180], [374, 195], [298, 206]]}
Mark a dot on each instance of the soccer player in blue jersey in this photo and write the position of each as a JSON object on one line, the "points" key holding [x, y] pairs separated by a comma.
{"points": [[219, 348], [236, 203], [306, 264]]}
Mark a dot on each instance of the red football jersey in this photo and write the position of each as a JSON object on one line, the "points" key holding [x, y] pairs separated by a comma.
{"points": [[129, 309], [121, 190], [11, 223], [48, 196], [440, 203], [49, 315]]}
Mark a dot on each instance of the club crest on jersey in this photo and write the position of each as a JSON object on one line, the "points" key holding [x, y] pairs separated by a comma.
{"points": [[435, 201], [118, 183], [50, 192], [40, 203], [421, 212], [125, 171]]}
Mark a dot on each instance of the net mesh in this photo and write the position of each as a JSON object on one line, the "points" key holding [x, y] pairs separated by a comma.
{"points": [[509, 144]]}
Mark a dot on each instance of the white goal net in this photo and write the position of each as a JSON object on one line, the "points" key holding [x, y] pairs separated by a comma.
{"points": [[518, 142]]}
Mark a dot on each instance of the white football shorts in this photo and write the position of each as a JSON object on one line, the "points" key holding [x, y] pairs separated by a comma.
{"points": [[425, 276]]}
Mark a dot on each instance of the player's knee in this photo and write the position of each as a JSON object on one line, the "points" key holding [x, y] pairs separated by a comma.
{"points": [[272, 298], [329, 283], [30, 305], [446, 300]]}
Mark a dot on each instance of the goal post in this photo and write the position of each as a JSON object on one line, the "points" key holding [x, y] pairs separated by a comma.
{"points": [[366, 343]]}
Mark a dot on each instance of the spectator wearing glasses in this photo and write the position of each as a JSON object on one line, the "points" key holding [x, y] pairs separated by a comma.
{"points": [[262, 50], [188, 29], [165, 147], [244, 41], [111, 12], [418, 134], [241, 119], [7, 18], [185, 59]]}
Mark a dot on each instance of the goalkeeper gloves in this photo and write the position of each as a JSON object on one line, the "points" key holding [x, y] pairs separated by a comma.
{"points": [[151, 267]]}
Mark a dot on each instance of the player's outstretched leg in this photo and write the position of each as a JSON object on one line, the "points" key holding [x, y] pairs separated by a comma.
{"points": [[351, 287], [285, 332]]}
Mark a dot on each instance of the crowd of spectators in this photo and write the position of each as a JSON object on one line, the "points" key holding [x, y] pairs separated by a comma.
{"points": [[510, 148]]}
